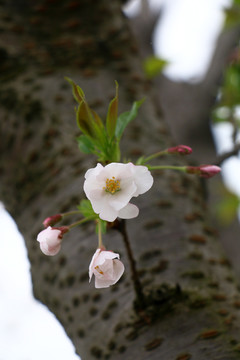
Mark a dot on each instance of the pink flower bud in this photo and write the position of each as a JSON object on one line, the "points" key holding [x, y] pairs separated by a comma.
{"points": [[180, 149], [50, 240], [106, 267], [52, 220], [205, 171]]}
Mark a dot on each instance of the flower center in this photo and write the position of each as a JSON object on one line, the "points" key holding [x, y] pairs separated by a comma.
{"points": [[112, 185], [98, 270]]}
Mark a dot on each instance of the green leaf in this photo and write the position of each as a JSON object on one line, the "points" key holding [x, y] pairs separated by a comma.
{"points": [[76, 90], [125, 118], [112, 115], [153, 66], [86, 144], [86, 209], [85, 119]]}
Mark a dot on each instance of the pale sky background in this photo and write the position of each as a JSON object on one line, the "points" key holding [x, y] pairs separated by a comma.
{"points": [[28, 331]]}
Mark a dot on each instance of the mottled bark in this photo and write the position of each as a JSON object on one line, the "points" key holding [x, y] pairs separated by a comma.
{"points": [[192, 298]]}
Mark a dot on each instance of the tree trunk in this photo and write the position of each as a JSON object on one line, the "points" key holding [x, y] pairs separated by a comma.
{"points": [[192, 298]]}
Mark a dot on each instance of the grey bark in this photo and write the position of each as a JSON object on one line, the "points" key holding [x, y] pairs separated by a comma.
{"points": [[192, 295]]}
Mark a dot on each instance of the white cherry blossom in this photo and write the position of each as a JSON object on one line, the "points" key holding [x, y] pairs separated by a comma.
{"points": [[106, 267], [110, 188]]}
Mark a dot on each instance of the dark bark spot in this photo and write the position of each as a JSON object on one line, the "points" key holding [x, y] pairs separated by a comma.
{"points": [[153, 344], [132, 335], [153, 224], [192, 217], [198, 239], [148, 255], [196, 255], [111, 345], [80, 333], [162, 266], [85, 298], [185, 356], [84, 277], [70, 280], [93, 311], [223, 312], [194, 274], [209, 334], [219, 297], [62, 260], [122, 349], [96, 297], [96, 352], [76, 301]]}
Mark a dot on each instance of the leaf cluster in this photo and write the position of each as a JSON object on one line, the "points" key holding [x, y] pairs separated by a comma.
{"points": [[101, 138]]}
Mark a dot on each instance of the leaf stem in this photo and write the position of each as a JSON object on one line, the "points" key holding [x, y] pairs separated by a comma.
{"points": [[82, 221], [153, 156], [73, 212], [166, 167]]}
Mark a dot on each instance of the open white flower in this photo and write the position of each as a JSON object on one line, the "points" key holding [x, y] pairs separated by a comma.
{"points": [[106, 267], [111, 187], [50, 241]]}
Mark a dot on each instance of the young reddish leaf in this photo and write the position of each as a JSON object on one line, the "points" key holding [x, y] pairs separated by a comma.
{"points": [[84, 119], [76, 90]]}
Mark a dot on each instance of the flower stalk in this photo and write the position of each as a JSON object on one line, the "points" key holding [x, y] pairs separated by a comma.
{"points": [[100, 242], [205, 171], [176, 150], [82, 221]]}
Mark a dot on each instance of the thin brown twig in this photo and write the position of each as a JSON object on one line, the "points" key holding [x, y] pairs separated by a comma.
{"points": [[140, 298]]}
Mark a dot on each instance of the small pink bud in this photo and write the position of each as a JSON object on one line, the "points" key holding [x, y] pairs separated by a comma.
{"points": [[52, 220], [106, 267], [205, 171], [50, 239], [180, 149]]}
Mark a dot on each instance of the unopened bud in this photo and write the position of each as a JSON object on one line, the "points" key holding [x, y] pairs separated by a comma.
{"points": [[180, 149], [205, 171], [52, 220]]}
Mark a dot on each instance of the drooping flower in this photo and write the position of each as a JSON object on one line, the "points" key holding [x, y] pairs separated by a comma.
{"points": [[205, 171], [50, 240], [106, 267], [110, 188]]}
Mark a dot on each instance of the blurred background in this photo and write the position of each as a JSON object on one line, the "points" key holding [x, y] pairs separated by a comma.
{"points": [[184, 39]]}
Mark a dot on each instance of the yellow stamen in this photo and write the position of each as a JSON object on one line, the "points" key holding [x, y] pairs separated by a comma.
{"points": [[112, 185], [98, 269]]}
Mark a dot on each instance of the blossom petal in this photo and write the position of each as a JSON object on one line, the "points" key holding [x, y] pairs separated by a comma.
{"points": [[122, 197], [94, 171], [91, 265], [50, 251], [142, 178], [118, 170], [107, 213], [103, 255], [103, 282], [128, 212]]}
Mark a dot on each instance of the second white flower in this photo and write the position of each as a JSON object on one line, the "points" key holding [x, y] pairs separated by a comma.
{"points": [[110, 188]]}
